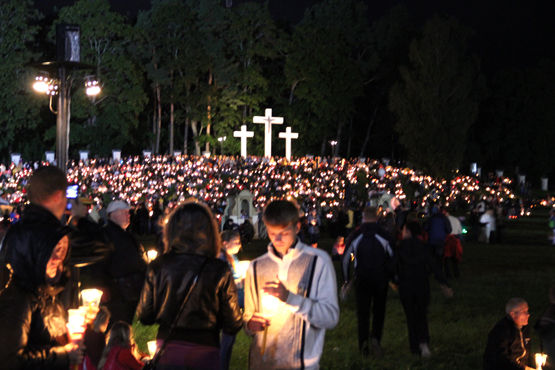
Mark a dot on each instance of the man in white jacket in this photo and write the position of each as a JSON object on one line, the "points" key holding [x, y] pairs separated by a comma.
{"points": [[290, 296]]}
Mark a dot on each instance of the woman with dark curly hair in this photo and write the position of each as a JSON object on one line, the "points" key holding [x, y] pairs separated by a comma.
{"points": [[192, 244]]}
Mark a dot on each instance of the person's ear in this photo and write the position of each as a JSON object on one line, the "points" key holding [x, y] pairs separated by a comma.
{"points": [[298, 227]]}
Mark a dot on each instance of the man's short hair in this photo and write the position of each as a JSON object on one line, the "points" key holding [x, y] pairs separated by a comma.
{"points": [[513, 304], [281, 213], [370, 213], [44, 182]]}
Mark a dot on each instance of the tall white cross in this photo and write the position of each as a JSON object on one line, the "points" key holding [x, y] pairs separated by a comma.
{"points": [[243, 134], [288, 135], [268, 120]]}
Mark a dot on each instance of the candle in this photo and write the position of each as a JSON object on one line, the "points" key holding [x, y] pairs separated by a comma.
{"points": [[540, 360], [151, 254], [152, 348], [91, 297], [269, 308]]}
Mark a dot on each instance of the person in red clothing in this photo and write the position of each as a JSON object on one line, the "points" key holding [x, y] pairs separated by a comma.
{"points": [[94, 339], [121, 351]]}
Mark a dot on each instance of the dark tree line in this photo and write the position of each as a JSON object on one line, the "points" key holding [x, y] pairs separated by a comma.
{"points": [[186, 72]]}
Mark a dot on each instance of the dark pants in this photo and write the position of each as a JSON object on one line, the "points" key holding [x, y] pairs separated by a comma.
{"points": [[366, 291], [415, 297], [226, 347], [451, 267]]}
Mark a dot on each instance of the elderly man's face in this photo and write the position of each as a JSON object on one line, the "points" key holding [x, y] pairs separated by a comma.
{"points": [[121, 217], [520, 315]]}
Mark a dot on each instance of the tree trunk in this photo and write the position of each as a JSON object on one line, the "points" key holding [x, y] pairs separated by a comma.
{"points": [[350, 138], [323, 150], [186, 136], [171, 125], [368, 133], [292, 92], [210, 80], [159, 120], [336, 146], [195, 130]]}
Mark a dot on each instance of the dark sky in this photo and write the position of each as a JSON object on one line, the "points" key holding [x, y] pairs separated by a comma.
{"points": [[509, 33]]}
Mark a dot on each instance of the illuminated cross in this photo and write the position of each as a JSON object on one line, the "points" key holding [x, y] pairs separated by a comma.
{"points": [[268, 121], [243, 134], [288, 135]]}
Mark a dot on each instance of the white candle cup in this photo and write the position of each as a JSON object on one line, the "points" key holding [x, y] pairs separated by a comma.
{"points": [[540, 360], [91, 297], [151, 254]]}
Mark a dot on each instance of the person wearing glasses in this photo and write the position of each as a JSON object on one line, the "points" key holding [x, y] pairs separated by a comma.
{"points": [[509, 344]]}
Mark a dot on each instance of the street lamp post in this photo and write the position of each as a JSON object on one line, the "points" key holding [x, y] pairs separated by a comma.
{"points": [[68, 50], [333, 144], [221, 140]]}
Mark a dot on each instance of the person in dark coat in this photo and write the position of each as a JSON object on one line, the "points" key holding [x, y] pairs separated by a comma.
{"points": [[192, 243], [438, 227], [32, 319], [372, 248], [411, 266], [508, 346], [126, 266]]}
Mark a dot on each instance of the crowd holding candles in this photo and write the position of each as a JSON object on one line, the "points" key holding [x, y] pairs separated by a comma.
{"points": [[321, 183]]}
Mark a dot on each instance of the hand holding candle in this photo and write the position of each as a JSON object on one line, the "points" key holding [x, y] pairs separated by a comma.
{"points": [[276, 289]]}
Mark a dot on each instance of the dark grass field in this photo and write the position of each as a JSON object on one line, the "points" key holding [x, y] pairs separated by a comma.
{"points": [[522, 266]]}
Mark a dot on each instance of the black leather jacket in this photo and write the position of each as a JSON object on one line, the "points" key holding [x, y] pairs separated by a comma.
{"points": [[212, 305], [25, 305]]}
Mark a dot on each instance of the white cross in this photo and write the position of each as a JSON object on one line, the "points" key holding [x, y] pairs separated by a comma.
{"points": [[243, 134], [288, 135], [268, 120]]}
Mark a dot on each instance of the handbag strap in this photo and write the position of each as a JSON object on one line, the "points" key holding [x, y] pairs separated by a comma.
{"points": [[163, 347]]}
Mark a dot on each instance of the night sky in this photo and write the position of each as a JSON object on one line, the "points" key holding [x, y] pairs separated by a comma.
{"points": [[509, 33]]}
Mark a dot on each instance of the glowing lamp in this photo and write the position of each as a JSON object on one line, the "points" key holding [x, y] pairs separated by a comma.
{"points": [[42, 82], [91, 85]]}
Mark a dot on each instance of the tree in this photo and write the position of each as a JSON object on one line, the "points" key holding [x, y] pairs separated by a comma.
{"points": [[325, 69], [516, 121], [19, 104], [105, 42], [438, 97]]}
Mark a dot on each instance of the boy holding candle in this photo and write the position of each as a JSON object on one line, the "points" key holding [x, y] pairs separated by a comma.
{"points": [[290, 334]]}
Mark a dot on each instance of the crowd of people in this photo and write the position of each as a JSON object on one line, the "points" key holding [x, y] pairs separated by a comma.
{"points": [[288, 297]]}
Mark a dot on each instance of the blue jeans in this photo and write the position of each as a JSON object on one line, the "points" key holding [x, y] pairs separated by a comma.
{"points": [[226, 346]]}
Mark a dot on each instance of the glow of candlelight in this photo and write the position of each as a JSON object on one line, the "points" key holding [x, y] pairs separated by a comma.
{"points": [[91, 297], [152, 348], [540, 360], [242, 267], [151, 254]]}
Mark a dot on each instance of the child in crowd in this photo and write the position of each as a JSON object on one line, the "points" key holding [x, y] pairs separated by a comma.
{"points": [[338, 249], [121, 351], [95, 340], [231, 241]]}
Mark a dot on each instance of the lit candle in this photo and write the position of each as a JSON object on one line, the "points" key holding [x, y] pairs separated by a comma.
{"points": [[540, 360], [152, 348], [151, 254], [91, 297], [269, 307]]}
